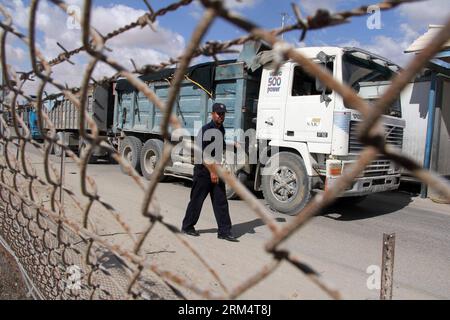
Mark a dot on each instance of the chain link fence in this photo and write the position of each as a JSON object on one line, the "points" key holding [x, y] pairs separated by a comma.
{"points": [[59, 247]]}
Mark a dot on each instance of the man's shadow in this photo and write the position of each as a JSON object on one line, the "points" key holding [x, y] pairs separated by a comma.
{"points": [[240, 229]]}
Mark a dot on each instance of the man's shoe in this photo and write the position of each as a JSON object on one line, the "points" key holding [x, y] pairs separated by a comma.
{"points": [[228, 237], [191, 232]]}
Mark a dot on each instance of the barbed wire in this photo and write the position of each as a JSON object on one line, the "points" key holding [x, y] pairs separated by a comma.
{"points": [[321, 19], [46, 236]]}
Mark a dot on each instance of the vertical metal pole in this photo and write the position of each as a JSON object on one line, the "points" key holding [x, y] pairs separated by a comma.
{"points": [[283, 22], [62, 173], [430, 130], [387, 272], [21, 130], [434, 164]]}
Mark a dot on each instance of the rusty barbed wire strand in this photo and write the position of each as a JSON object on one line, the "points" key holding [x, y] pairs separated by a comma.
{"points": [[321, 19], [141, 21]]}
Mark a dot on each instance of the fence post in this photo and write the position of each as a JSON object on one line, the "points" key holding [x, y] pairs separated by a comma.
{"points": [[62, 173], [387, 272]]}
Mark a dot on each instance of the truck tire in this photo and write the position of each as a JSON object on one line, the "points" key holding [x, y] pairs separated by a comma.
{"points": [[130, 150], [285, 185], [150, 155], [56, 148]]}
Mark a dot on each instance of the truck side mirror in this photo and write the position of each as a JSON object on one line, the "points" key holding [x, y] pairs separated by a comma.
{"points": [[325, 97], [321, 87], [323, 57]]}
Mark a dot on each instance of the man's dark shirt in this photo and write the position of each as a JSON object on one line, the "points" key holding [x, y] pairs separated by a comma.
{"points": [[200, 169]]}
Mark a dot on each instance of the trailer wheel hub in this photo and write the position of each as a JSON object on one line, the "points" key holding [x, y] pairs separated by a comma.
{"points": [[128, 154], [150, 161]]}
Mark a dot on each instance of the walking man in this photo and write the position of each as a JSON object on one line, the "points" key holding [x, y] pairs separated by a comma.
{"points": [[211, 139]]}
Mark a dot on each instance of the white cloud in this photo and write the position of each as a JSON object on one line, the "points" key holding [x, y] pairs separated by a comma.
{"points": [[196, 11], [240, 4], [409, 34], [15, 55], [310, 6], [140, 56], [143, 45], [389, 47], [416, 17], [112, 18], [419, 15]]}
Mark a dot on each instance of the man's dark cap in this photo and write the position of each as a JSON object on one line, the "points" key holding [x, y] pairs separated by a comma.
{"points": [[219, 108]]}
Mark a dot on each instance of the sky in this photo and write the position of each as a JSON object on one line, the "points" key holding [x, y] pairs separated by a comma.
{"points": [[397, 30]]}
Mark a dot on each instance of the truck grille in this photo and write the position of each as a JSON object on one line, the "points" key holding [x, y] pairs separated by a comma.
{"points": [[394, 138], [379, 167]]}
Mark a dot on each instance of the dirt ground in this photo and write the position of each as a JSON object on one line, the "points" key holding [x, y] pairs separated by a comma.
{"points": [[12, 286]]}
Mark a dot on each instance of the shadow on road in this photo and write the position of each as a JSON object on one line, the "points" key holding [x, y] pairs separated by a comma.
{"points": [[188, 184], [240, 229], [345, 209], [374, 205]]}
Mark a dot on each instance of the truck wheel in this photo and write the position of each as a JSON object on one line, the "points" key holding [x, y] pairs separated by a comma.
{"points": [[150, 155], [130, 150], [285, 184], [56, 148]]}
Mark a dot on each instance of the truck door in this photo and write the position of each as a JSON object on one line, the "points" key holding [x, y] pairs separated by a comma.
{"points": [[309, 108]]}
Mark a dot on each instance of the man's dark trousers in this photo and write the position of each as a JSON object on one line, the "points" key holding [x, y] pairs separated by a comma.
{"points": [[202, 186]]}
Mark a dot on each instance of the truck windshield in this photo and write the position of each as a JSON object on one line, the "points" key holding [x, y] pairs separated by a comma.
{"points": [[369, 79]]}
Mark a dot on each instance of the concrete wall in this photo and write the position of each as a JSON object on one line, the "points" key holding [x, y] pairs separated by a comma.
{"points": [[443, 163], [414, 100]]}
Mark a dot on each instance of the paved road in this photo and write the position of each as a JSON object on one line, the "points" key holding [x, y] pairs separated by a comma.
{"points": [[341, 243]]}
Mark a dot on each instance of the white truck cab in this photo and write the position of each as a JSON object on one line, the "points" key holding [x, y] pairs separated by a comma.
{"points": [[312, 132]]}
